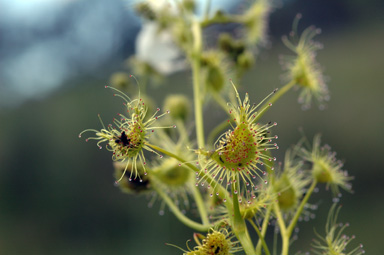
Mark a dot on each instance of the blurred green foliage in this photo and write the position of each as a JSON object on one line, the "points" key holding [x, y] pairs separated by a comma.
{"points": [[57, 194]]}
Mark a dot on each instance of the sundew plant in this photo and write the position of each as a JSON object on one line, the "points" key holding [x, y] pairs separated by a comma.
{"points": [[226, 183]]}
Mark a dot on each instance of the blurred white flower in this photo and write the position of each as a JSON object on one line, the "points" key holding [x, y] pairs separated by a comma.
{"points": [[157, 48]]}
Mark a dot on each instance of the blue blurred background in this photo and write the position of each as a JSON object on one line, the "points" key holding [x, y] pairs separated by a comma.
{"points": [[56, 191]]}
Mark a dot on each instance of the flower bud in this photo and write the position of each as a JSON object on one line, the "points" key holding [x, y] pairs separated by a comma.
{"points": [[179, 105], [288, 196], [289, 185], [303, 69], [231, 46], [189, 5], [215, 78], [255, 22], [246, 60], [325, 167], [212, 64], [321, 172], [217, 242], [255, 203], [145, 10], [120, 80], [128, 184], [173, 175], [335, 242], [142, 67]]}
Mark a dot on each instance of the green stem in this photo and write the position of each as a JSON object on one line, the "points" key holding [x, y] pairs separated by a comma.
{"points": [[175, 210], [274, 98], [264, 228], [283, 228], [182, 130], [286, 232], [207, 9], [197, 46], [301, 207], [275, 242], [238, 223], [221, 19], [200, 205], [261, 237]]}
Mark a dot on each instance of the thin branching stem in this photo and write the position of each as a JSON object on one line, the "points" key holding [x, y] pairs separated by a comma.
{"points": [[301, 207], [197, 97], [261, 237], [238, 224], [264, 227], [274, 98], [200, 205], [179, 215], [283, 228]]}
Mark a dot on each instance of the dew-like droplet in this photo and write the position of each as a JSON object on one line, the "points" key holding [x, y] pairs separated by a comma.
{"points": [[265, 182], [161, 212], [174, 126], [161, 156], [79, 136]]}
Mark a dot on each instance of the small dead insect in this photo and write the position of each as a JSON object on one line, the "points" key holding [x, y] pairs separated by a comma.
{"points": [[123, 139]]}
